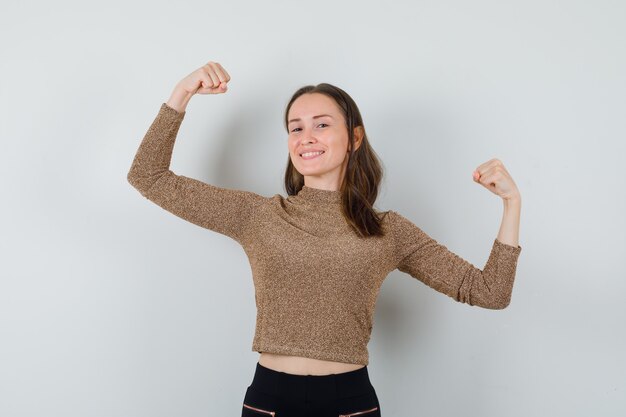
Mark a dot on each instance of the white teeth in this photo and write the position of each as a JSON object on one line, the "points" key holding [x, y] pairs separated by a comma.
{"points": [[313, 153]]}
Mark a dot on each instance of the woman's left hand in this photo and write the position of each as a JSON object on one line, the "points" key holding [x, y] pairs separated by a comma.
{"points": [[494, 177]]}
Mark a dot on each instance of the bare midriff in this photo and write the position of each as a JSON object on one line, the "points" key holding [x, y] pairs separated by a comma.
{"points": [[298, 365]]}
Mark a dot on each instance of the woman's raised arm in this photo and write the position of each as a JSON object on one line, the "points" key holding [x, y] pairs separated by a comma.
{"points": [[222, 210], [429, 261]]}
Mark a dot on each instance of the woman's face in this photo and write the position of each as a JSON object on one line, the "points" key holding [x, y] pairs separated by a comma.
{"points": [[316, 123]]}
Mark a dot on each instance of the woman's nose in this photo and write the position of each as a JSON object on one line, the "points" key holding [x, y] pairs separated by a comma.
{"points": [[308, 139]]}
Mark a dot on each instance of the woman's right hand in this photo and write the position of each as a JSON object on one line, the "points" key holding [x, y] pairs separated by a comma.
{"points": [[210, 78]]}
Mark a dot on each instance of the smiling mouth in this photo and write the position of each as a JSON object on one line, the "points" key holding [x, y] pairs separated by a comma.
{"points": [[311, 155]]}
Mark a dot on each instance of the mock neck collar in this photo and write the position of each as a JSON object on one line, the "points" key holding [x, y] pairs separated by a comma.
{"points": [[318, 195]]}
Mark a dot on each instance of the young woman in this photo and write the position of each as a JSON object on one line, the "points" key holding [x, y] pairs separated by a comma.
{"points": [[320, 255]]}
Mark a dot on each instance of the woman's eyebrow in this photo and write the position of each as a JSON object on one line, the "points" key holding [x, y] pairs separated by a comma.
{"points": [[314, 117]]}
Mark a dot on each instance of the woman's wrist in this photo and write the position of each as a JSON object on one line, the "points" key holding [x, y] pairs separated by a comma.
{"points": [[512, 204], [178, 99]]}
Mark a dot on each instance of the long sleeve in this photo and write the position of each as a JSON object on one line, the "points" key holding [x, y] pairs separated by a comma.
{"points": [[422, 257], [222, 210]]}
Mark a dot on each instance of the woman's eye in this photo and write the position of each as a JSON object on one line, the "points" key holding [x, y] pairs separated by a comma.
{"points": [[318, 125]]}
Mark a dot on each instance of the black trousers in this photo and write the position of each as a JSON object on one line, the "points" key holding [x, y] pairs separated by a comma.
{"points": [[280, 394]]}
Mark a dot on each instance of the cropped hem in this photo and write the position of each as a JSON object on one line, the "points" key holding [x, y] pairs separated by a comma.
{"points": [[309, 353]]}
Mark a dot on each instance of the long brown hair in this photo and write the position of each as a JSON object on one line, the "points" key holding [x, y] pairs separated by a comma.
{"points": [[364, 171]]}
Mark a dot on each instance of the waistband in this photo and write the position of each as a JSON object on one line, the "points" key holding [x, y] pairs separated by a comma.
{"points": [[311, 387]]}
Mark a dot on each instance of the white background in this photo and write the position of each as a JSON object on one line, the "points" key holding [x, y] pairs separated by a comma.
{"points": [[112, 307]]}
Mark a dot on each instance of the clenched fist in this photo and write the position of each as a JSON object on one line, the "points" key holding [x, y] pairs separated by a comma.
{"points": [[494, 177], [210, 78]]}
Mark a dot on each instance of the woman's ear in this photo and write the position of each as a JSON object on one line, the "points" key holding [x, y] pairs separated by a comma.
{"points": [[358, 136]]}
